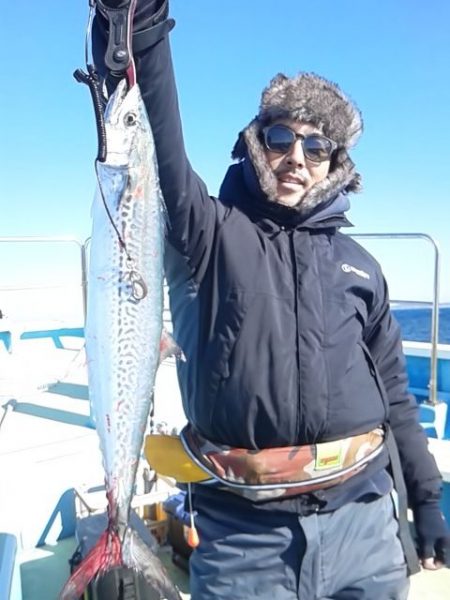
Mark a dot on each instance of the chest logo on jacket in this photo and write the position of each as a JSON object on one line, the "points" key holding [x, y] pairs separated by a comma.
{"points": [[349, 269]]}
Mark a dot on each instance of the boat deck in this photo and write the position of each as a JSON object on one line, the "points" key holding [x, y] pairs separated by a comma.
{"points": [[48, 447], [44, 571]]}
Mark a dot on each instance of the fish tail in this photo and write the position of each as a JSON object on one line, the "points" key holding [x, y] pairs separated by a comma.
{"points": [[105, 555], [138, 556]]}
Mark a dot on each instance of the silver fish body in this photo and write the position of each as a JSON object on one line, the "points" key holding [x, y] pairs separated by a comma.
{"points": [[124, 327], [125, 291]]}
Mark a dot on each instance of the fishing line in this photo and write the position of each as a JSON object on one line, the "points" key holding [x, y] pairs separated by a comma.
{"points": [[111, 220], [92, 79], [138, 285], [193, 539], [88, 31]]}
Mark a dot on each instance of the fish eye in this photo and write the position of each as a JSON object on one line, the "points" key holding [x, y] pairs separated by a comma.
{"points": [[130, 119]]}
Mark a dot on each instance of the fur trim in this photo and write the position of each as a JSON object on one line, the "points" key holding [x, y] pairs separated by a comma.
{"points": [[310, 99]]}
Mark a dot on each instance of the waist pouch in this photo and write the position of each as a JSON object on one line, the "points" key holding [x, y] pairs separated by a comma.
{"points": [[262, 474]]}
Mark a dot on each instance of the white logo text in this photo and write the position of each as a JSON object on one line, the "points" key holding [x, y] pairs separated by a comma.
{"points": [[349, 269]]}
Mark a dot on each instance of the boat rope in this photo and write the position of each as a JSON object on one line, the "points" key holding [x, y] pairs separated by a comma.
{"points": [[7, 408]]}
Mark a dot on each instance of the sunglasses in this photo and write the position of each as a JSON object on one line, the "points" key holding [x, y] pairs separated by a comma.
{"points": [[280, 138]]}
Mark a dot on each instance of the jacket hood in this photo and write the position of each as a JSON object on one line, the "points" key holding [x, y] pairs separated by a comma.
{"points": [[310, 99]]}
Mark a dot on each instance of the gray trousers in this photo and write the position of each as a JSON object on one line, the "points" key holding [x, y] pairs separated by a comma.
{"points": [[351, 554]]}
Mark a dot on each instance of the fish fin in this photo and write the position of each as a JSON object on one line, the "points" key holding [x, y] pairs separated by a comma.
{"points": [[138, 556], [169, 347], [105, 555]]}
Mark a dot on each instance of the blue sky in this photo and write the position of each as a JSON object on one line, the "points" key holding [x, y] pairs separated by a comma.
{"points": [[391, 57]]}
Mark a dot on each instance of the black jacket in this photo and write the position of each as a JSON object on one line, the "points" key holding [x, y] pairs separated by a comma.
{"points": [[284, 322]]}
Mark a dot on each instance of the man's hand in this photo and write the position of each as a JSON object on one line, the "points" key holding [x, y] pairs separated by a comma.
{"points": [[433, 536], [440, 557]]}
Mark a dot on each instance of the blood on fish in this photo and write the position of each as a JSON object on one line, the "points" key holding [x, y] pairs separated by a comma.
{"points": [[105, 555]]}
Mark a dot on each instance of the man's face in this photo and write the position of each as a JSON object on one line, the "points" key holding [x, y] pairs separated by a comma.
{"points": [[295, 173]]}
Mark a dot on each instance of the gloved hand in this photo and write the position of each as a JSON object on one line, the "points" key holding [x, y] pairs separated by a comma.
{"points": [[433, 535]]}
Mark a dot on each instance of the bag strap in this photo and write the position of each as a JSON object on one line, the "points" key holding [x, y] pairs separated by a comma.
{"points": [[404, 531]]}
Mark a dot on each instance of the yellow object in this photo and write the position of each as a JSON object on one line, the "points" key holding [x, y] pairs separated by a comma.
{"points": [[167, 456]]}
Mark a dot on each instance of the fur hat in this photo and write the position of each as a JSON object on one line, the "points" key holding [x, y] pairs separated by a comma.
{"points": [[310, 99]]}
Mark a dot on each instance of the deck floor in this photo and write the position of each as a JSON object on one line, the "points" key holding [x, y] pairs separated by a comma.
{"points": [[44, 571], [48, 447]]}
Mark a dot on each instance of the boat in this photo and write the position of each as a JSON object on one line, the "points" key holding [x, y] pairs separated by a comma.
{"points": [[49, 458]]}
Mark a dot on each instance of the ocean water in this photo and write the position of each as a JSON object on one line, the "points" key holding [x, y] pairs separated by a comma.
{"points": [[415, 323]]}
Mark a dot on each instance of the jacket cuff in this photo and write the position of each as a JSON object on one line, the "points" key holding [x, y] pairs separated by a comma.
{"points": [[147, 12], [151, 36], [151, 12], [150, 24]]}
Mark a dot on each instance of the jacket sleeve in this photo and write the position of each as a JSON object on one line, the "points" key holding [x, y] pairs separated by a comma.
{"points": [[191, 212], [383, 338]]}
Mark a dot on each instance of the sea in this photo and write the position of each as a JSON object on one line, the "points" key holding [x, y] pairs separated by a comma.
{"points": [[415, 322]]}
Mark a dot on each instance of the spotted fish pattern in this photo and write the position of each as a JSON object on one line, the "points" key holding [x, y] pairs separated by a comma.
{"points": [[123, 329]]}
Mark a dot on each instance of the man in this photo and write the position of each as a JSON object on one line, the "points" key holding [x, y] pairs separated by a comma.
{"points": [[294, 381]]}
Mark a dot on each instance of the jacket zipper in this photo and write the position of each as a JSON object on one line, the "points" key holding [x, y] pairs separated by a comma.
{"points": [[297, 321]]}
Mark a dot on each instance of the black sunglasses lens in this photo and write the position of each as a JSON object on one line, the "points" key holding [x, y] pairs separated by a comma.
{"points": [[279, 138], [317, 148]]}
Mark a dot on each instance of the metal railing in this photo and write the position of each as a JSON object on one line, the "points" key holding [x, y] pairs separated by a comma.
{"points": [[435, 304], [432, 386], [51, 239]]}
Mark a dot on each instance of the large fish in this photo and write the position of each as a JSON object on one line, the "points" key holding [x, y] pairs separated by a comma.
{"points": [[123, 329]]}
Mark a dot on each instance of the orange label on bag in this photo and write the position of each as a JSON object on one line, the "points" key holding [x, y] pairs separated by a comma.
{"points": [[328, 455]]}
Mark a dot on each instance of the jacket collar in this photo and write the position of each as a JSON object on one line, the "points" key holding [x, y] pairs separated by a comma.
{"points": [[240, 188]]}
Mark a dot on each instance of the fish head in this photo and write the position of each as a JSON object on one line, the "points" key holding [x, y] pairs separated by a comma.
{"points": [[125, 120]]}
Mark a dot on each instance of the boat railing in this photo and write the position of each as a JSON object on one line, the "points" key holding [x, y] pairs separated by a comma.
{"points": [[83, 253], [432, 386], [50, 240]]}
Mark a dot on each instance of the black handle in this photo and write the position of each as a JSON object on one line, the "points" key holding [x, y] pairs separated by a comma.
{"points": [[91, 79], [118, 53]]}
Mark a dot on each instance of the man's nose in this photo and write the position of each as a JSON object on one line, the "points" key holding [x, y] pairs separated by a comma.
{"points": [[295, 154]]}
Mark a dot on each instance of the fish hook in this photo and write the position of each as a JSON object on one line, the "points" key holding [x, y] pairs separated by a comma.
{"points": [[139, 288]]}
